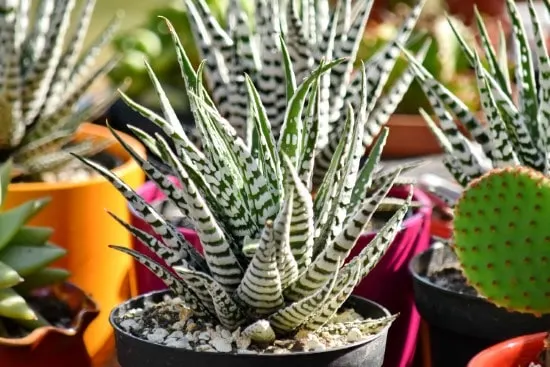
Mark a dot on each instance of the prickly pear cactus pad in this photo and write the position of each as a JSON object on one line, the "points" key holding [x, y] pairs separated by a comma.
{"points": [[502, 238]]}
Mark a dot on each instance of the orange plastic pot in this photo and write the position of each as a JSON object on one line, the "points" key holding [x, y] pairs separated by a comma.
{"points": [[77, 214], [51, 346], [517, 352]]}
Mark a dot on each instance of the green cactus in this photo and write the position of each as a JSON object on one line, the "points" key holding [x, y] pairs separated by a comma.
{"points": [[502, 238], [25, 254], [43, 78]]}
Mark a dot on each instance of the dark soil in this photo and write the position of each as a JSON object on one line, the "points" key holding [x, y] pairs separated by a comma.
{"points": [[452, 279], [107, 160], [57, 312]]}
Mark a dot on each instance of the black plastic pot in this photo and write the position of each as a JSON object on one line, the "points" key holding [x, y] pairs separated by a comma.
{"points": [[462, 325], [134, 352]]}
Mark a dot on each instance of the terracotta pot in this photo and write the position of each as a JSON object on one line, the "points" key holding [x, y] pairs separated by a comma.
{"points": [[51, 346], [390, 273], [77, 214], [409, 136], [517, 352]]}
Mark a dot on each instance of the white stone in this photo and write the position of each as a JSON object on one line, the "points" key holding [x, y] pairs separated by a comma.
{"points": [[313, 344], [221, 344], [177, 335], [260, 332], [130, 324], [354, 335], [177, 343], [205, 335], [157, 336]]}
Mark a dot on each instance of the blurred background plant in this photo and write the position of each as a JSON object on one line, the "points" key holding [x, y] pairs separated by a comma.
{"points": [[151, 41], [444, 59]]}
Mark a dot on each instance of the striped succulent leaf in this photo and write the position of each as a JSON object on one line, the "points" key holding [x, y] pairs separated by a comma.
{"points": [[265, 265], [311, 35], [510, 134], [43, 77]]}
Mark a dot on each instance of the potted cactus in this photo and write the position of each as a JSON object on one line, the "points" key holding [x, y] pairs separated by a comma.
{"points": [[502, 248], [271, 277], [45, 77], [42, 318], [414, 235], [515, 134]]}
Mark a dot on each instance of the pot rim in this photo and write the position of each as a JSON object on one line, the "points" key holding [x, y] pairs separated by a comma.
{"points": [[116, 149], [118, 329], [503, 346], [88, 312], [413, 220]]}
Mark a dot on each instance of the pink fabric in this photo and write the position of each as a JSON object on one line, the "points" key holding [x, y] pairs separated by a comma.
{"points": [[389, 283]]}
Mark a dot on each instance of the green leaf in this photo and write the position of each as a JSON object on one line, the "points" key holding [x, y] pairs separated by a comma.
{"points": [[5, 179], [289, 73], [13, 306], [31, 236], [260, 288], [12, 220], [33, 324], [490, 53], [43, 278], [28, 259], [525, 74], [364, 178], [8, 276], [291, 132]]}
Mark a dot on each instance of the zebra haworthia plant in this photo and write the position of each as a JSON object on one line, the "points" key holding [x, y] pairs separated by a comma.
{"points": [[513, 134], [271, 251], [42, 79], [311, 34]]}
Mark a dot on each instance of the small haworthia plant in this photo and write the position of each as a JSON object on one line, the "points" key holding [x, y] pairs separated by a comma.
{"points": [[25, 255], [312, 34], [271, 251], [42, 79], [512, 134]]}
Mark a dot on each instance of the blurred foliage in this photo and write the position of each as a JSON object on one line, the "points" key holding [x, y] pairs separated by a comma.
{"points": [[152, 41], [445, 60]]}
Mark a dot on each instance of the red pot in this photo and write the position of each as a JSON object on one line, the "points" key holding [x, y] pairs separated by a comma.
{"points": [[52, 346], [390, 273], [517, 352]]}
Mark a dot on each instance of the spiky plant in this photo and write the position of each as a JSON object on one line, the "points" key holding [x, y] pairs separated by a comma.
{"points": [[271, 251], [25, 255], [312, 34], [42, 79], [511, 134]]}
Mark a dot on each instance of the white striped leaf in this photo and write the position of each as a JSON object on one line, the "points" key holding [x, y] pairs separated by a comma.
{"points": [[260, 288], [191, 300], [286, 263]]}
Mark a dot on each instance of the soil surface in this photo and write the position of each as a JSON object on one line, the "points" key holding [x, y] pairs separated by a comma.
{"points": [[52, 309], [172, 324], [452, 279]]}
